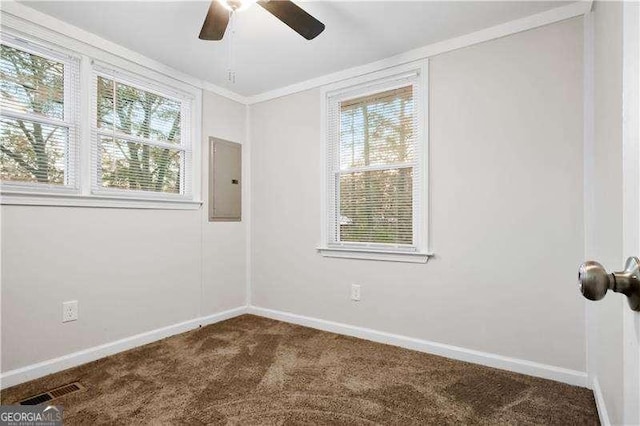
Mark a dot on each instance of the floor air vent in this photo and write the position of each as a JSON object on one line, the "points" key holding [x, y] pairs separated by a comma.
{"points": [[52, 394], [38, 399]]}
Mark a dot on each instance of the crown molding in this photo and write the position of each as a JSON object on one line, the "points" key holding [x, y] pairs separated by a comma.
{"points": [[13, 12], [551, 16], [33, 22], [230, 94]]}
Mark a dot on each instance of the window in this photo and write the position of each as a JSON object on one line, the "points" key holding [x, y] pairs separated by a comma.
{"points": [[74, 132], [38, 122], [375, 169], [140, 146]]}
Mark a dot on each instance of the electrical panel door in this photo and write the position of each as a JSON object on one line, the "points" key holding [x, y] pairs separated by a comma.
{"points": [[225, 181]]}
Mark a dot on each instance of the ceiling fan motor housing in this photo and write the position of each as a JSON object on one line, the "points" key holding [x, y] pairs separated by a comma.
{"points": [[235, 4]]}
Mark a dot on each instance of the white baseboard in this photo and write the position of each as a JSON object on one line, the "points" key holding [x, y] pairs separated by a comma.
{"points": [[41, 369], [600, 404], [564, 375]]}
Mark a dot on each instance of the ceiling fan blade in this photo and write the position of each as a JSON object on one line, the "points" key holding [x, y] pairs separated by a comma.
{"points": [[294, 16], [215, 23]]}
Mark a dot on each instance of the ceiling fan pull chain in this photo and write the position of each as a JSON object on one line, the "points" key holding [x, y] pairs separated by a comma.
{"points": [[231, 66]]}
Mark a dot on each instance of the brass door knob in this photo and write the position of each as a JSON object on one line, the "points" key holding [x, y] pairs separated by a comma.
{"points": [[594, 281]]}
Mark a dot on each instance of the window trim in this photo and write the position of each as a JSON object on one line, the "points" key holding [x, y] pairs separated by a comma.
{"points": [[70, 121], [419, 251], [17, 193]]}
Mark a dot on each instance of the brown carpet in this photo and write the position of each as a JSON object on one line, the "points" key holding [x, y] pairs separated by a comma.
{"points": [[252, 370]]}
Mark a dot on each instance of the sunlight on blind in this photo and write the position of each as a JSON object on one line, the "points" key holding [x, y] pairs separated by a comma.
{"points": [[32, 152], [376, 170], [377, 206], [133, 111], [377, 129], [34, 136], [139, 139], [138, 166], [31, 84]]}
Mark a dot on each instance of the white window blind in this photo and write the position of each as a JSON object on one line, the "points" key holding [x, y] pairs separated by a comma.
{"points": [[141, 139], [374, 166], [39, 97]]}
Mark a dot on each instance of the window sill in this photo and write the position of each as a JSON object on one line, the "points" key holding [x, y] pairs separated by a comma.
{"points": [[97, 201], [363, 254]]}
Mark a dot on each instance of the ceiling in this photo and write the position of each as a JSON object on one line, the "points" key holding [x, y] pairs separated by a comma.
{"points": [[267, 54]]}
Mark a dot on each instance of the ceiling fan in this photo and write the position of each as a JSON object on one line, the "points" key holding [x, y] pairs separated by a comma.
{"points": [[295, 17]]}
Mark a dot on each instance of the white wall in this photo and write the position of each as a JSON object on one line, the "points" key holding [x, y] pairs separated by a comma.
{"points": [[605, 234], [131, 270], [506, 208], [224, 262]]}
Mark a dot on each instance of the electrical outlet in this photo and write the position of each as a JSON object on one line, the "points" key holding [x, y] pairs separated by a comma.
{"points": [[355, 292], [69, 311]]}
